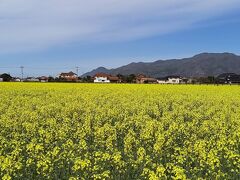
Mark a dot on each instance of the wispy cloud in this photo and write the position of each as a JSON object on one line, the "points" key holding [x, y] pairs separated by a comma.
{"points": [[27, 25]]}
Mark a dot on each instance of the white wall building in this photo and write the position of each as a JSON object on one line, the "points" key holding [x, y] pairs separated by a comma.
{"points": [[1, 79], [162, 81], [170, 80], [174, 80], [101, 78]]}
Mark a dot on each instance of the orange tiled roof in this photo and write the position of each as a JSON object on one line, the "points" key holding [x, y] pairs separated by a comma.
{"points": [[68, 74], [101, 75]]}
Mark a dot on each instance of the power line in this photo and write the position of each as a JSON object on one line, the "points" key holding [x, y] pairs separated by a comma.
{"points": [[41, 67], [48, 68], [29, 67], [8, 67], [24, 69]]}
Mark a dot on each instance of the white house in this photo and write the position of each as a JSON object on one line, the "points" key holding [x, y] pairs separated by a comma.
{"points": [[162, 81], [174, 79], [170, 80], [101, 78], [1, 79]]}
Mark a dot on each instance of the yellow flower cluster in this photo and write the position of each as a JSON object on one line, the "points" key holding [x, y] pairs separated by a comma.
{"points": [[115, 131]]}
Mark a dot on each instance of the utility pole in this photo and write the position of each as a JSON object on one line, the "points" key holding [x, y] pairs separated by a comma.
{"points": [[77, 70], [22, 72]]}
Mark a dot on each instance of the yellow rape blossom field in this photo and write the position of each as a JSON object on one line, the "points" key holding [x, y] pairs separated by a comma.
{"points": [[119, 131]]}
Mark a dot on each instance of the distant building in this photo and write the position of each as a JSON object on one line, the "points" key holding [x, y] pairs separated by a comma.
{"points": [[31, 79], [101, 78], [16, 79], [228, 78], [147, 80], [114, 79], [1, 79], [162, 81], [170, 80], [70, 76], [142, 79], [5, 77], [43, 79], [139, 77], [105, 78]]}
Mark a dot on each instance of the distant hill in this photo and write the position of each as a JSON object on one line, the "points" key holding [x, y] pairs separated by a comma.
{"points": [[205, 64]]}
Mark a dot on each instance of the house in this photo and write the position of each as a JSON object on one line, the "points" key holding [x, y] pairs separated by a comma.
{"points": [[105, 78], [16, 79], [101, 78], [147, 80], [114, 79], [6, 77], [170, 80], [31, 79], [43, 79], [139, 77], [142, 79], [162, 80], [1, 79], [70, 76], [174, 79], [228, 78]]}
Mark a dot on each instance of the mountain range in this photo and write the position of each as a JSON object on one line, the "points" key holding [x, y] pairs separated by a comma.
{"points": [[204, 64]]}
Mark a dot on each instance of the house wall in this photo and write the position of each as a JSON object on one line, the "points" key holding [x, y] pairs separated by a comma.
{"points": [[146, 80], [101, 80], [69, 78], [32, 80], [16, 80], [162, 82], [170, 81], [174, 80]]}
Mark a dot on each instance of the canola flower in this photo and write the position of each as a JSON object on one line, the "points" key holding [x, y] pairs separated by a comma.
{"points": [[115, 131]]}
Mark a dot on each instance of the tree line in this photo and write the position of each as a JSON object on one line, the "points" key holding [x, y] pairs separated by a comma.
{"points": [[124, 79]]}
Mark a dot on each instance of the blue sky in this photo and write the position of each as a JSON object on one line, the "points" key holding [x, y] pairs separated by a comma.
{"points": [[48, 37]]}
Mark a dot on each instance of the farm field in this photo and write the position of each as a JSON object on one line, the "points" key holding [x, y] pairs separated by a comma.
{"points": [[119, 131]]}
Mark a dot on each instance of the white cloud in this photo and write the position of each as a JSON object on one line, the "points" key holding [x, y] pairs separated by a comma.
{"points": [[27, 25]]}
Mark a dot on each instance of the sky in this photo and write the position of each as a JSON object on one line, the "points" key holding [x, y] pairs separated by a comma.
{"points": [[52, 36]]}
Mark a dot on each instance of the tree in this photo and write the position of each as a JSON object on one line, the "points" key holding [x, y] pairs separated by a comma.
{"points": [[51, 79], [121, 77], [6, 77], [87, 79], [211, 79], [131, 78], [206, 80]]}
